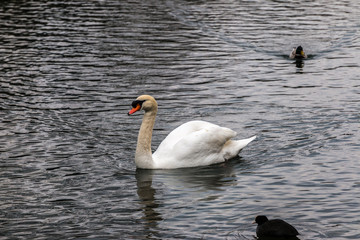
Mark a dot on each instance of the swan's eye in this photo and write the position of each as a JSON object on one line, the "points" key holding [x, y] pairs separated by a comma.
{"points": [[136, 102]]}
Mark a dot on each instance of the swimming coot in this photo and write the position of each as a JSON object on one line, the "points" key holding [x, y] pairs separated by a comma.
{"points": [[274, 228]]}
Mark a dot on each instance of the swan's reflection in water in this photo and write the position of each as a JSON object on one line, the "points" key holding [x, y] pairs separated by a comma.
{"points": [[146, 195], [192, 184]]}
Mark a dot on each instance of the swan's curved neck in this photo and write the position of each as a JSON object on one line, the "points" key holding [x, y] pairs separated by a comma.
{"points": [[143, 155]]}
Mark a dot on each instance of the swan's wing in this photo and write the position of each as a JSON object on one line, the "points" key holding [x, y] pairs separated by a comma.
{"points": [[207, 141], [194, 143], [182, 131]]}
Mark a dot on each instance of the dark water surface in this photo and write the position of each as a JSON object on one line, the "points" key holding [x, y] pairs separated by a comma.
{"points": [[69, 71]]}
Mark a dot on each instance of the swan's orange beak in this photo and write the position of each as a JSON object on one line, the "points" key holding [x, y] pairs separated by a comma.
{"points": [[135, 109]]}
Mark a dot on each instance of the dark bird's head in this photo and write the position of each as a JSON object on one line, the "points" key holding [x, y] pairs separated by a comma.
{"points": [[300, 53], [300, 50], [261, 219]]}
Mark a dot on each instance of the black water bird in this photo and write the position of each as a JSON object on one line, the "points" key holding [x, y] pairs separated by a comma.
{"points": [[275, 228], [298, 53]]}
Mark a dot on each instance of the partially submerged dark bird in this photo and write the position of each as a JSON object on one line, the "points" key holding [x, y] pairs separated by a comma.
{"points": [[274, 228], [297, 53]]}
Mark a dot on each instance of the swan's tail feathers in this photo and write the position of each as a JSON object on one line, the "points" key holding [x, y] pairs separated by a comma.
{"points": [[244, 142], [233, 147]]}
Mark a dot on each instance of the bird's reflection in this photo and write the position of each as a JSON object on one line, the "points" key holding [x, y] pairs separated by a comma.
{"points": [[146, 195], [200, 179], [208, 177], [299, 63]]}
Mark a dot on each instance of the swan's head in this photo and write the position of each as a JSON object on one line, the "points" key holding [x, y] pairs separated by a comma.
{"points": [[144, 102]]}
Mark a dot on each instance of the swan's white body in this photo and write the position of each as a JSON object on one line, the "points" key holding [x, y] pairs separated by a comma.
{"points": [[195, 143]]}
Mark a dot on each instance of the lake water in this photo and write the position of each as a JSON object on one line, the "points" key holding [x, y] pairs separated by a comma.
{"points": [[69, 71]]}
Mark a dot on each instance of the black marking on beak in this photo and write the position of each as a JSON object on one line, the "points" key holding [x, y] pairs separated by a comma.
{"points": [[136, 102]]}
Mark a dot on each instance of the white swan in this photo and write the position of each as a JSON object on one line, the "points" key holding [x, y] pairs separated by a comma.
{"points": [[195, 143]]}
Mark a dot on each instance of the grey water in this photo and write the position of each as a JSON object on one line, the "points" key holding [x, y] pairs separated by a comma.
{"points": [[69, 71]]}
